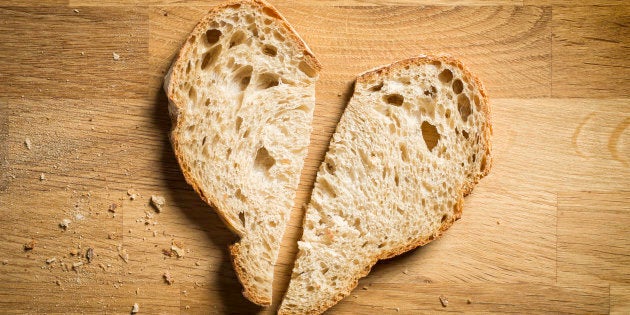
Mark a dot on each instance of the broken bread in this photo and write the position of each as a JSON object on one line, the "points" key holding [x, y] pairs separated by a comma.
{"points": [[241, 96], [412, 142]]}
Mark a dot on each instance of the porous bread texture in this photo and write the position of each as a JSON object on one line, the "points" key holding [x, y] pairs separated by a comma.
{"points": [[413, 140], [241, 98]]}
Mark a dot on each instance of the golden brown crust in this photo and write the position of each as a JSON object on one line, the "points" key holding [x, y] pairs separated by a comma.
{"points": [[176, 103], [248, 292], [465, 189]]}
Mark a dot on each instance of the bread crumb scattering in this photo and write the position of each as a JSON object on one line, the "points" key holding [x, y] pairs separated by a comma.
{"points": [[135, 308], [132, 194], [168, 278], [444, 301], [64, 224], [468, 301], [116, 56], [158, 202], [29, 245], [51, 260], [27, 143], [75, 10]]}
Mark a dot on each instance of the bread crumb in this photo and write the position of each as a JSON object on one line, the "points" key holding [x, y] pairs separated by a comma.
{"points": [[51, 260], [42, 176], [135, 308], [406, 271], [89, 254], [5, 262], [75, 10], [112, 208], [64, 224], [76, 265], [123, 254], [187, 307], [168, 278], [167, 252], [132, 194], [157, 202], [339, 94], [197, 263], [468, 301], [57, 282], [397, 309], [116, 56], [498, 222], [364, 288], [444, 301], [27, 143], [82, 53], [30, 245]]}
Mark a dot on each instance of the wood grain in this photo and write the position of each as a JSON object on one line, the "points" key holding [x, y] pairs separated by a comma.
{"points": [[545, 232]]}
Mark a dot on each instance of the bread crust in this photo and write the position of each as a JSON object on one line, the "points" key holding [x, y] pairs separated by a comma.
{"points": [[464, 190], [176, 103]]}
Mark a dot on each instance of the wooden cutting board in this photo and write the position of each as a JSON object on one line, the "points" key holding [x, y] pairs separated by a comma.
{"points": [[546, 231]]}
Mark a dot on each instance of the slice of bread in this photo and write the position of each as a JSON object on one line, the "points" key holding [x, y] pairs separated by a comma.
{"points": [[412, 142], [241, 97]]}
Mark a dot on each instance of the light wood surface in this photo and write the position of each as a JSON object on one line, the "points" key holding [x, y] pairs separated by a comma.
{"points": [[546, 231]]}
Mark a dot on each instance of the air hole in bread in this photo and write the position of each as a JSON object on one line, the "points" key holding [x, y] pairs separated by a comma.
{"points": [[238, 194], [192, 39], [278, 36], [263, 161], [188, 67], [237, 38], [458, 86], [267, 80], [381, 245], [399, 210], [477, 102], [463, 105], [396, 180], [404, 154], [465, 134], [258, 279], [430, 135], [246, 134], [357, 222], [192, 94], [325, 186], [267, 21], [377, 87], [270, 50], [241, 216], [445, 76], [394, 99], [242, 77], [447, 114], [474, 157], [203, 141], [330, 167], [307, 69], [210, 57], [271, 12], [228, 153], [249, 18], [310, 288], [239, 121], [212, 36], [444, 218]]}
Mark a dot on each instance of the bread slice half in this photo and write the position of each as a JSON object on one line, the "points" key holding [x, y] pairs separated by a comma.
{"points": [[412, 142], [241, 97]]}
